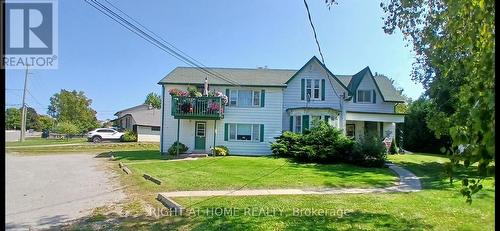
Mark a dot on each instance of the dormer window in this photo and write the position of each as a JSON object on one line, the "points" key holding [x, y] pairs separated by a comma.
{"points": [[364, 96]]}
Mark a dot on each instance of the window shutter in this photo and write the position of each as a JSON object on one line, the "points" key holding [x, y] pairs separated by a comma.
{"points": [[262, 98], [354, 97], [327, 117], [374, 97], [302, 88], [228, 99], [291, 123], [305, 123], [226, 131], [262, 133], [323, 89]]}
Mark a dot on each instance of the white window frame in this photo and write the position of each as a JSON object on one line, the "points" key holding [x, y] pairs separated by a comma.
{"points": [[297, 124], [312, 88], [370, 100], [236, 98], [252, 137]]}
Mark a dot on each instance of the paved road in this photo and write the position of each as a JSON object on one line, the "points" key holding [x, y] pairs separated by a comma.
{"points": [[47, 190]]}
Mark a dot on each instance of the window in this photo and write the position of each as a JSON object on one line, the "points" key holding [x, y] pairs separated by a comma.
{"points": [[244, 98], [364, 96], [244, 132], [233, 98], [308, 88], [256, 98], [350, 130], [200, 129], [155, 128], [314, 118], [298, 124], [312, 88], [316, 89]]}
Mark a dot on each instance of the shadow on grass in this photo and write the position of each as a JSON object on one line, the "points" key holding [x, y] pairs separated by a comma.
{"points": [[133, 155], [246, 221], [288, 220]]}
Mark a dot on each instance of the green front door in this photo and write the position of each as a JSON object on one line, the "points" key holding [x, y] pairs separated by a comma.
{"points": [[200, 130]]}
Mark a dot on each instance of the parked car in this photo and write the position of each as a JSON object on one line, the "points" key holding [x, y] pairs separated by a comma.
{"points": [[101, 134]]}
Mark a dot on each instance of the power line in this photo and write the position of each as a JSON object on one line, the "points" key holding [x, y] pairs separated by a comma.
{"points": [[314, 31], [134, 29]]}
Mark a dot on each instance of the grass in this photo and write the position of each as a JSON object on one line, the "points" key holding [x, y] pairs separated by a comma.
{"points": [[42, 141], [86, 147], [439, 206], [232, 172]]}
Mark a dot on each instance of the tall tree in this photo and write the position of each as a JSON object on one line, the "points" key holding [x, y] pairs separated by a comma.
{"points": [[153, 99], [12, 118], [31, 118], [44, 122], [454, 43], [73, 107]]}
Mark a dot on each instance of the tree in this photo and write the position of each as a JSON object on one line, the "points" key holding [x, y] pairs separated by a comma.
{"points": [[153, 99], [44, 122], [74, 107], [67, 128], [12, 118], [31, 118], [417, 136], [454, 45]]}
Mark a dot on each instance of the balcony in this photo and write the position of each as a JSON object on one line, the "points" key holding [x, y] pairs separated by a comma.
{"points": [[207, 108]]}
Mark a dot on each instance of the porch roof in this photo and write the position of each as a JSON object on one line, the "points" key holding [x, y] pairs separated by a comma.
{"points": [[376, 117]]}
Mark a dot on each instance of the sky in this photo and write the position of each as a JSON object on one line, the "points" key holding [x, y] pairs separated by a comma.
{"points": [[117, 69]]}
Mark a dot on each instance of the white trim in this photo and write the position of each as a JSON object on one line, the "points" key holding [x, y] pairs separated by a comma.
{"points": [[374, 117]]}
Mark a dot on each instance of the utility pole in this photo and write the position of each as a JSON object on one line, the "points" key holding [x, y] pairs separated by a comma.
{"points": [[23, 114]]}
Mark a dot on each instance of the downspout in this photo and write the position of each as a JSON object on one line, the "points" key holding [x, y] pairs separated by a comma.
{"points": [[162, 117]]}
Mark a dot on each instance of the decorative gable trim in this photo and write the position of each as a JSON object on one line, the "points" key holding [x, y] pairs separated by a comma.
{"points": [[314, 58]]}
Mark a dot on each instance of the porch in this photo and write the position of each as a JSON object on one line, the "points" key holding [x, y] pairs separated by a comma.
{"points": [[381, 125]]}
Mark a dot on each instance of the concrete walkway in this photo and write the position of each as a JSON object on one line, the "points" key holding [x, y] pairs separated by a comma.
{"points": [[408, 182], [49, 145]]}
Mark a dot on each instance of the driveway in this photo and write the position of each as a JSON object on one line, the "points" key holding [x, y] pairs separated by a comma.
{"points": [[47, 190]]}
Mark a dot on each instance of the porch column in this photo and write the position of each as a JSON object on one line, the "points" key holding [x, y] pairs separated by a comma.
{"points": [[178, 129], [215, 134]]}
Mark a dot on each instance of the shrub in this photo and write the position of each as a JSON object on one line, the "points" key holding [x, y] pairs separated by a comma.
{"points": [[129, 136], [286, 143], [393, 149], [323, 144], [221, 150], [173, 149], [67, 128], [369, 152]]}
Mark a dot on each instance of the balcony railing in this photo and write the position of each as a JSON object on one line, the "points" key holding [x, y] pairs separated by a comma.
{"points": [[197, 107]]}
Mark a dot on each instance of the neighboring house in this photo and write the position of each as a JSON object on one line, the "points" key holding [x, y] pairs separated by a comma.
{"points": [[143, 119], [265, 102]]}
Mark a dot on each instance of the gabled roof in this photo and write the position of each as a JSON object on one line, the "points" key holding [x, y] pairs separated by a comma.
{"points": [[275, 78], [142, 115], [242, 76], [382, 83], [315, 59]]}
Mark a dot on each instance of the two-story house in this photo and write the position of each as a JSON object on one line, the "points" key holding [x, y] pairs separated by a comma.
{"points": [[262, 103]]}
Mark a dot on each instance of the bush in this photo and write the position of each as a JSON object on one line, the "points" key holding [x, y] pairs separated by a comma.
{"points": [[67, 128], [129, 136], [369, 152], [221, 150], [173, 149], [322, 144]]}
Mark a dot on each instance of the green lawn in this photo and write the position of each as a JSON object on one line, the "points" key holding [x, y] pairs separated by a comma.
{"points": [[438, 207], [233, 172], [42, 141]]}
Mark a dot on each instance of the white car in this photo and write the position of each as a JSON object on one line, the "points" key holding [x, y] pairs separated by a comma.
{"points": [[101, 134]]}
